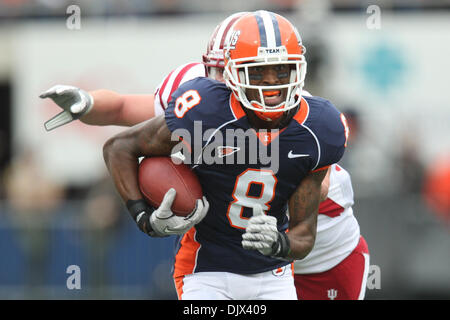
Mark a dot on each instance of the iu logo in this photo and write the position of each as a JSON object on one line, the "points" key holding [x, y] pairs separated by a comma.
{"points": [[233, 39], [332, 294]]}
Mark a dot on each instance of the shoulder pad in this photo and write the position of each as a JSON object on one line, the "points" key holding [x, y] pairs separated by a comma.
{"points": [[329, 128]]}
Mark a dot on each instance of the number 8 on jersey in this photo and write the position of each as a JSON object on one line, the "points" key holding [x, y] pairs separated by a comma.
{"points": [[266, 179]]}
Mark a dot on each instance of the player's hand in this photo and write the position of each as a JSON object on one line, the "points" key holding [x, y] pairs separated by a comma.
{"points": [[164, 222], [262, 234], [74, 101]]}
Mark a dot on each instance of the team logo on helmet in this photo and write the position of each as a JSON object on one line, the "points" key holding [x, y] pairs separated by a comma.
{"points": [[233, 39]]}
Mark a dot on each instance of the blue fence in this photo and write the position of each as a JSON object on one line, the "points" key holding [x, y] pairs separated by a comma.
{"points": [[118, 263]]}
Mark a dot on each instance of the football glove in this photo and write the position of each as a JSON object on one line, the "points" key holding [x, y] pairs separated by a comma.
{"points": [[262, 234], [163, 222], [74, 101]]}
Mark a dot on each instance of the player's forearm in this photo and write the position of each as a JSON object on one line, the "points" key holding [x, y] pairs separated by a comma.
{"points": [[111, 108], [106, 109], [303, 235], [122, 163], [302, 238], [303, 209], [122, 152]]}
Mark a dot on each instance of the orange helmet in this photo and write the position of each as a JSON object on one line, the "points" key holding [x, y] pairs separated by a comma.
{"points": [[264, 38]]}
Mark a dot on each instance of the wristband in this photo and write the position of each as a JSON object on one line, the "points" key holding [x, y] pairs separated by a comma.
{"points": [[140, 210], [90, 103], [282, 247], [135, 207]]}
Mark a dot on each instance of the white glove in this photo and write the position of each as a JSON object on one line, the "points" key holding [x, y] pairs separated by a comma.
{"points": [[261, 233], [74, 101], [164, 222]]}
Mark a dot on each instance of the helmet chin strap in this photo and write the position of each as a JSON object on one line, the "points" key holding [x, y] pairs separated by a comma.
{"points": [[268, 116], [262, 105]]}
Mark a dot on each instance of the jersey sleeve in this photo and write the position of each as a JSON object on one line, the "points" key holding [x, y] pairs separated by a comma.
{"points": [[331, 133], [340, 190], [172, 81]]}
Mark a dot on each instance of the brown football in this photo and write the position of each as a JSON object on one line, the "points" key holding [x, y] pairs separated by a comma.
{"points": [[158, 174]]}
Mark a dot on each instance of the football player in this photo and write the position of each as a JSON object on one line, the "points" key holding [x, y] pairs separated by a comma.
{"points": [[340, 250], [241, 249]]}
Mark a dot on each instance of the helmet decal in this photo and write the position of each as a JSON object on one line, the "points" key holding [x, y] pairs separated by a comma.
{"points": [[269, 31]]}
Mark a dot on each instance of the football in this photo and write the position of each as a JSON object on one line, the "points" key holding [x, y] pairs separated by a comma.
{"points": [[158, 174]]}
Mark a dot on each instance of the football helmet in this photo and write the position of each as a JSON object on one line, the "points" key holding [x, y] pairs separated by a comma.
{"points": [[260, 39], [213, 58]]}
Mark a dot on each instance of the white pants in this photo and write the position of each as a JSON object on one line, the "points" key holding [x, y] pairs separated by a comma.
{"points": [[276, 284]]}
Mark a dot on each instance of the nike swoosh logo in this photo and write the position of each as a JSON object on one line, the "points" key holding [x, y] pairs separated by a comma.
{"points": [[295, 155], [167, 230]]}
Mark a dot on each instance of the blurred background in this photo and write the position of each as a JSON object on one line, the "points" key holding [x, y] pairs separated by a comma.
{"points": [[385, 64]]}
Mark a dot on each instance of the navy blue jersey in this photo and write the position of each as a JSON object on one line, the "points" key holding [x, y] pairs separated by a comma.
{"points": [[239, 167]]}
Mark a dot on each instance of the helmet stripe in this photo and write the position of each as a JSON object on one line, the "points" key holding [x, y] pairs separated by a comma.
{"points": [[270, 34], [276, 29], [269, 30], [262, 30]]}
